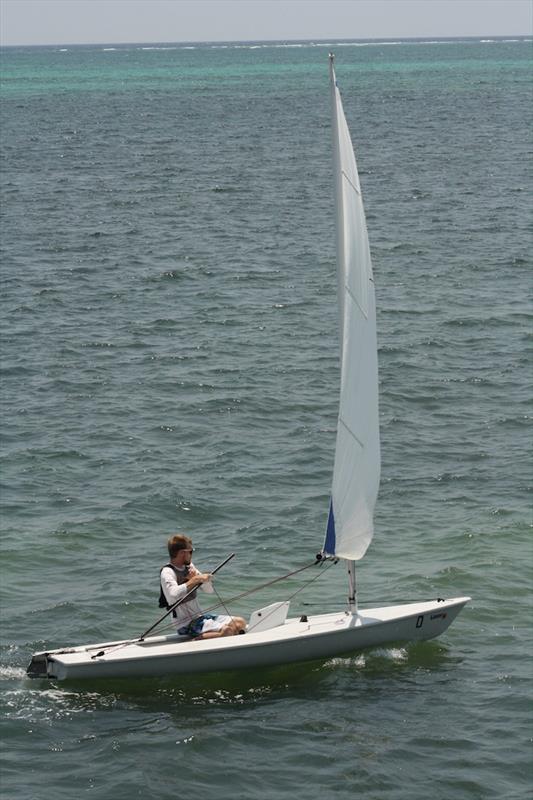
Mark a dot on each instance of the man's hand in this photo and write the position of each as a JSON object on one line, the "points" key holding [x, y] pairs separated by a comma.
{"points": [[197, 579]]}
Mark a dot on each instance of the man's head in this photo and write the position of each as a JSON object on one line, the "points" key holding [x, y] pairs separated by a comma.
{"points": [[180, 549]]}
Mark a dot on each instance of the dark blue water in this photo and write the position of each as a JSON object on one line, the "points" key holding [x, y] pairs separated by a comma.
{"points": [[169, 360]]}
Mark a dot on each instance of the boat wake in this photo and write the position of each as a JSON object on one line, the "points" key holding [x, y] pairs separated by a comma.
{"points": [[11, 673]]}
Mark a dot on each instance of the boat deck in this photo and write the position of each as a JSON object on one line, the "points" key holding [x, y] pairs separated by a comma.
{"points": [[298, 639]]}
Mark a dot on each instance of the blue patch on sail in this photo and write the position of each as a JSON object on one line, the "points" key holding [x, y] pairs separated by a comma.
{"points": [[329, 544]]}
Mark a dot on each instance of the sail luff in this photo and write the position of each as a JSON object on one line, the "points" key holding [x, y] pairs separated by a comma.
{"points": [[357, 461]]}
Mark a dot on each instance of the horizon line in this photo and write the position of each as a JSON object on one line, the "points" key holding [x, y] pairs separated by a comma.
{"points": [[311, 39]]}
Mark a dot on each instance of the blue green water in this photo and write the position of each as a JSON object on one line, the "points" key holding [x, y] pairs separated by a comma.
{"points": [[169, 355]]}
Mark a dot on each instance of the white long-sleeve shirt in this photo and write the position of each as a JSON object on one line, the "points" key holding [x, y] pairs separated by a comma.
{"points": [[174, 591]]}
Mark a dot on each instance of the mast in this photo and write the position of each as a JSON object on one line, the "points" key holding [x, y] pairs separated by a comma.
{"points": [[352, 588], [337, 177]]}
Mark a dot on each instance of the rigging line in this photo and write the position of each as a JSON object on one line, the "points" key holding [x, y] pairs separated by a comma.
{"points": [[183, 599], [318, 560], [309, 582], [270, 583], [160, 620], [258, 588], [222, 603], [192, 617]]}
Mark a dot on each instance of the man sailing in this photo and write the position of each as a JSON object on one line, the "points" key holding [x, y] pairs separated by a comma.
{"points": [[179, 577]]}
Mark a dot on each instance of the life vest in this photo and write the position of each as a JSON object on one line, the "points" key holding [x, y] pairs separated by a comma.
{"points": [[182, 576]]}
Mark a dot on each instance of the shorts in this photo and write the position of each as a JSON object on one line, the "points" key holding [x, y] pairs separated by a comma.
{"points": [[204, 623]]}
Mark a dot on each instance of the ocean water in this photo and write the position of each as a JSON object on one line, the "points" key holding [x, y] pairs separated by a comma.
{"points": [[169, 357]]}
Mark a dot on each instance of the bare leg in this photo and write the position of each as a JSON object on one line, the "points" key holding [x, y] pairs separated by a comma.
{"points": [[234, 627]]}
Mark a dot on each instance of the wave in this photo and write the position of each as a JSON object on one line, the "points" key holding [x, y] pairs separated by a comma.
{"points": [[11, 673], [277, 44]]}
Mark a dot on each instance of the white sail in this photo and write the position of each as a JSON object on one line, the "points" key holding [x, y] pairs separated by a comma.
{"points": [[357, 457]]}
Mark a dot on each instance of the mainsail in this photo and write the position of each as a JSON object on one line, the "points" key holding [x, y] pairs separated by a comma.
{"points": [[357, 458]]}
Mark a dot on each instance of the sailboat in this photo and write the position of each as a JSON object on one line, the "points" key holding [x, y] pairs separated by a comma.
{"points": [[272, 637]]}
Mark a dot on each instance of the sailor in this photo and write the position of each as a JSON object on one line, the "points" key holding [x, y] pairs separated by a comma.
{"points": [[179, 577]]}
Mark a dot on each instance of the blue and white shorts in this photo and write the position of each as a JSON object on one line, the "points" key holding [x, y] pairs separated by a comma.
{"points": [[204, 623]]}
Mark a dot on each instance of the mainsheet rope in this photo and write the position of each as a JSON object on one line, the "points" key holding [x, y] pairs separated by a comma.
{"points": [[225, 603], [257, 589], [319, 560]]}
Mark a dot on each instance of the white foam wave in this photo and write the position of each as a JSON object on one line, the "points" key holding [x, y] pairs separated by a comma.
{"points": [[398, 655], [12, 673], [355, 661], [348, 43], [304, 44]]}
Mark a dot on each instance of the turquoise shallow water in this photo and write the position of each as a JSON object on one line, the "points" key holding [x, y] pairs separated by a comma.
{"points": [[169, 360]]}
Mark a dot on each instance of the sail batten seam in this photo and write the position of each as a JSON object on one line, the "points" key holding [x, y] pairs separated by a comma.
{"points": [[354, 187], [347, 427], [356, 301]]}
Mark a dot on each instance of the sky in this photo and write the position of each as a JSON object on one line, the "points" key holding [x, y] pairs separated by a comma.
{"points": [[41, 22]]}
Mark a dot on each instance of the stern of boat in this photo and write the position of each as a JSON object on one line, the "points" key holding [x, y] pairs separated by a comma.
{"points": [[38, 666]]}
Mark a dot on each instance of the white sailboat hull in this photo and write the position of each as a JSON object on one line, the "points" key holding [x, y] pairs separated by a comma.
{"points": [[313, 638]]}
